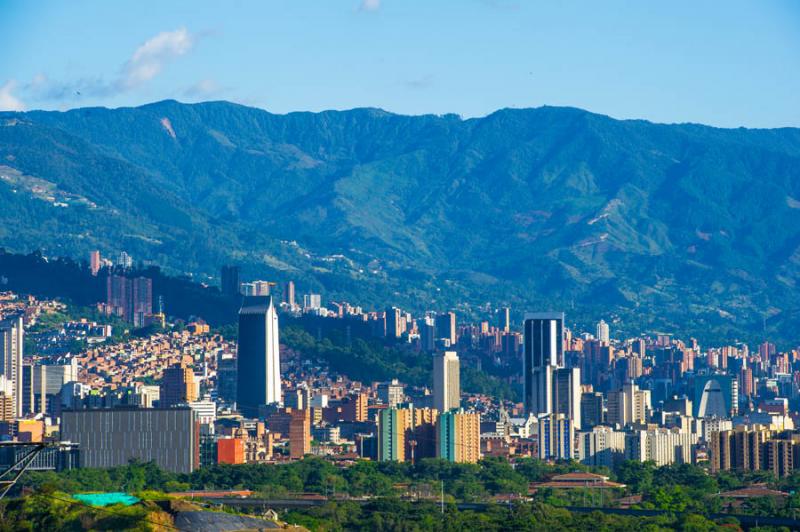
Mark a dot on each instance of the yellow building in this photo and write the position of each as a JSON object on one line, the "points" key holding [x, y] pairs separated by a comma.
{"points": [[458, 436]]}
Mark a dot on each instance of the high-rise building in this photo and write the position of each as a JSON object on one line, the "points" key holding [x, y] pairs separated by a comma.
{"points": [[556, 437], [226, 377], [6, 399], [550, 388], [739, 449], [142, 303], [660, 445], [567, 394], [48, 380], [11, 349], [118, 294], [458, 437], [602, 332], [124, 261], [505, 319], [312, 301], [258, 359], [170, 437], [602, 446], [355, 407], [177, 386], [392, 426], [395, 323], [391, 393], [299, 433], [131, 299], [94, 262], [288, 294], [591, 409], [230, 280], [261, 288], [714, 396], [427, 334], [629, 405], [446, 381], [543, 351], [421, 438], [446, 327]]}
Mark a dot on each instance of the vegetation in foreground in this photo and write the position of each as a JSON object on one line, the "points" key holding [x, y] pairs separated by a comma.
{"points": [[401, 496]]}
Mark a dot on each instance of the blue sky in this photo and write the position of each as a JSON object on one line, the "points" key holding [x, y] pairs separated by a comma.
{"points": [[727, 63]]}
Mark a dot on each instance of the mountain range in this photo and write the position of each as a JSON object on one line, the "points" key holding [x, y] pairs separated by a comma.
{"points": [[677, 228]]}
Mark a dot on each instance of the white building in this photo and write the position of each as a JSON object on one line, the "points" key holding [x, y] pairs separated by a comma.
{"points": [[446, 381], [11, 347], [602, 446], [662, 446], [602, 332], [627, 406]]}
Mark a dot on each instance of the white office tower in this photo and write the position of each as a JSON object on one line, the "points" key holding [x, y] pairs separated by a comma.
{"points": [[446, 381], [11, 342], [602, 332], [550, 388]]}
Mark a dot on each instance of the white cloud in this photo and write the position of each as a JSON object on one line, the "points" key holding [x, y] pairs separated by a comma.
{"points": [[9, 102], [203, 89], [149, 59], [370, 5]]}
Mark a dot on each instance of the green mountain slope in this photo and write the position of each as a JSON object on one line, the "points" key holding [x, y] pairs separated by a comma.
{"points": [[665, 227]]}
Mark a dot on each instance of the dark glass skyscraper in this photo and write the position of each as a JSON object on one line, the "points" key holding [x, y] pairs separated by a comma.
{"points": [[549, 386], [258, 379], [230, 280]]}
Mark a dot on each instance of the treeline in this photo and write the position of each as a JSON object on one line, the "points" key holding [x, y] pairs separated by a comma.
{"points": [[677, 488]]}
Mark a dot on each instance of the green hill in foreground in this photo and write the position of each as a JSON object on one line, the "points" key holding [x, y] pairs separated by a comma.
{"points": [[675, 228]]}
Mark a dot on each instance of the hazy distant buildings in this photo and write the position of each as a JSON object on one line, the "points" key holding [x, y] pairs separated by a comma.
{"points": [[256, 288], [11, 348], [229, 280], [288, 295], [505, 319], [258, 360], [395, 323], [94, 262], [446, 381], [124, 261], [312, 302], [131, 299], [602, 332], [446, 327]]}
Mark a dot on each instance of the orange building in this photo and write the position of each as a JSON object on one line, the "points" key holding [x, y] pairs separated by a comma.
{"points": [[177, 386], [230, 451], [299, 433]]}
